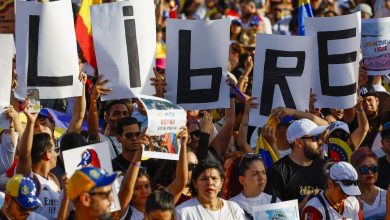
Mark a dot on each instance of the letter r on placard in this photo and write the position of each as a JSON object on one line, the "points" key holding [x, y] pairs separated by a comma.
{"points": [[274, 75], [184, 92]]}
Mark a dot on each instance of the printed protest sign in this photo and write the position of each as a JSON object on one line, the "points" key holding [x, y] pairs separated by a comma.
{"points": [[46, 50], [282, 74], [7, 16], [7, 52], [164, 122], [95, 155], [281, 210], [337, 46], [124, 35], [376, 45], [197, 55]]}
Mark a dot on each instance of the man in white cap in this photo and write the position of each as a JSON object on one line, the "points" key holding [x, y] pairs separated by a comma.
{"points": [[338, 200], [298, 175]]}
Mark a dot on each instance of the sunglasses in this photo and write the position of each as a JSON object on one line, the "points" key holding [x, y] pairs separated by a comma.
{"points": [[364, 170], [344, 136], [195, 133], [132, 135], [249, 156], [314, 138], [348, 182], [191, 166], [104, 195]]}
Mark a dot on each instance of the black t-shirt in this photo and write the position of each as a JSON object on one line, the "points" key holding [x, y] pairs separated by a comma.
{"points": [[383, 173], [374, 129], [288, 180]]}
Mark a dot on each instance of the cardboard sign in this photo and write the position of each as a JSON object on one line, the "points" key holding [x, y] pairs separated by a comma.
{"points": [[337, 46], [282, 74], [7, 52], [46, 50], [124, 35], [376, 45], [197, 55]]}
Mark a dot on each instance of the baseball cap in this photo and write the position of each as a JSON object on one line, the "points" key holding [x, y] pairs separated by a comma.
{"points": [[303, 127], [44, 113], [339, 125], [367, 90], [236, 21], [24, 190], [363, 7], [346, 176], [87, 178], [89, 156]]}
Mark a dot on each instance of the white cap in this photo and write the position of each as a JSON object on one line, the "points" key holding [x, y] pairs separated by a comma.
{"points": [[303, 127], [346, 176], [338, 125]]}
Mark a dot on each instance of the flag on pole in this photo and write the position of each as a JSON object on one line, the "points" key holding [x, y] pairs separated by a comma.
{"points": [[304, 11], [84, 31]]}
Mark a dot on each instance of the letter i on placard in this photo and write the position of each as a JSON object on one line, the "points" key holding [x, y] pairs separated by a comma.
{"points": [[132, 48]]}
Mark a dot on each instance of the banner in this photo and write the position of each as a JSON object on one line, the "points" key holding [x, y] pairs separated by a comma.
{"points": [[197, 55], [7, 52], [280, 210], [7, 16], [46, 50], [95, 155], [124, 35], [282, 74], [376, 45], [336, 51]]}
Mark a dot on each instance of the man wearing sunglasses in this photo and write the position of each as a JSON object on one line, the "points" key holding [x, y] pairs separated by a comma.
{"points": [[338, 200], [37, 157], [90, 191], [297, 176], [20, 199]]}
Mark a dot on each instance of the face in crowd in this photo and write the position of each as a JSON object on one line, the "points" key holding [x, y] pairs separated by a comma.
{"points": [[253, 176], [130, 137], [142, 190], [371, 106], [98, 201], [311, 146], [116, 112]]}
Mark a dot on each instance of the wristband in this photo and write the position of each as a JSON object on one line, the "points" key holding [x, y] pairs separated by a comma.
{"points": [[138, 164], [359, 111]]}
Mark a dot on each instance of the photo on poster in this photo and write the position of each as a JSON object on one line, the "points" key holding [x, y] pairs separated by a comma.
{"points": [[94, 155], [165, 121], [281, 210]]}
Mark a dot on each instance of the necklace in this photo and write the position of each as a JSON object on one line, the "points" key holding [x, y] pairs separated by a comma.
{"points": [[209, 213]]}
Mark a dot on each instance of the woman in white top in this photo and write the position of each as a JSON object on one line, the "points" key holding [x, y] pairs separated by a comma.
{"points": [[247, 173], [206, 183], [373, 199]]}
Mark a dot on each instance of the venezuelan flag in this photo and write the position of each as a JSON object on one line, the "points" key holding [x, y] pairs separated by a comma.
{"points": [[84, 31], [265, 149], [304, 11]]}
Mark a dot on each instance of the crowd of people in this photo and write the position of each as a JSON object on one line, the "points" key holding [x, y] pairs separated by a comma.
{"points": [[334, 162]]}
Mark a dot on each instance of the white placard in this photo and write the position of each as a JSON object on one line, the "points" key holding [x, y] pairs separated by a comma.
{"points": [[280, 210], [163, 116], [337, 47], [282, 74], [376, 45], [7, 51], [124, 35], [95, 155], [194, 49], [46, 50]]}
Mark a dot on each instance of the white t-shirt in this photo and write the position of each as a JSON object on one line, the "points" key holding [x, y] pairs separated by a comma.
{"points": [[135, 214], [247, 203], [113, 143], [192, 209], [378, 207], [351, 208], [50, 196]]}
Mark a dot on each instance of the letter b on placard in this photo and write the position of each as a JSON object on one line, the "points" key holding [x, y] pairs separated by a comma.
{"points": [[132, 48], [184, 92], [274, 75], [32, 71]]}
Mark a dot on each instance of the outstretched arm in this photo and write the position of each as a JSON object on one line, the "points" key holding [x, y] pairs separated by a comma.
{"points": [[79, 108]]}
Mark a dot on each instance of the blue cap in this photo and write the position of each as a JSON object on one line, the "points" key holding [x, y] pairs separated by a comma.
{"points": [[286, 120], [24, 190], [255, 21]]}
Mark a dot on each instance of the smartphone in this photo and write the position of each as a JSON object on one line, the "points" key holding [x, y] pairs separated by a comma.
{"points": [[33, 99]]}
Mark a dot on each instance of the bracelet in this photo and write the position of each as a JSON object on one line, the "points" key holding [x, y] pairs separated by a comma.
{"points": [[359, 111], [136, 164]]}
